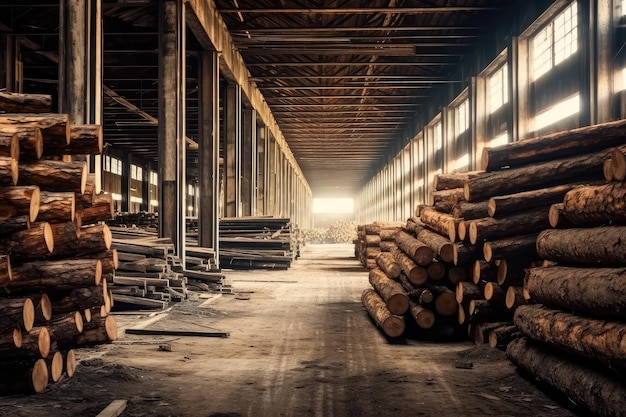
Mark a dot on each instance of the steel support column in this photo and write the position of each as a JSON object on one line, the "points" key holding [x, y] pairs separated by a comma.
{"points": [[261, 184], [232, 151], [248, 163]]}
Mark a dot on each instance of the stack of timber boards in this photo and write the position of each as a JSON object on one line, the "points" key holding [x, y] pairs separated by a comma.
{"points": [[53, 252], [373, 239], [143, 219], [257, 243], [150, 275]]}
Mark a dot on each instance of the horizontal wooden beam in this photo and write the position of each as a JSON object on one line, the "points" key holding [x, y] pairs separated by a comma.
{"points": [[361, 10]]}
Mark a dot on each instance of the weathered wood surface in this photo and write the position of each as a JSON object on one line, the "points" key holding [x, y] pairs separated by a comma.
{"points": [[502, 336], [392, 325], [55, 128], [415, 249], [586, 167], [9, 171], [517, 247], [387, 263], [25, 200], [439, 244], [526, 222], [54, 175], [601, 394], [598, 246], [442, 223], [454, 180], [596, 204], [484, 271], [580, 141], [56, 207], [469, 211], [596, 291], [9, 145], [100, 210], [33, 243], [35, 344], [25, 103], [423, 316], [23, 377], [390, 291], [64, 274], [77, 299], [90, 239]]}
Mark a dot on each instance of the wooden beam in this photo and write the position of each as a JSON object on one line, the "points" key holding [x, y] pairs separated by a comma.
{"points": [[114, 409]]}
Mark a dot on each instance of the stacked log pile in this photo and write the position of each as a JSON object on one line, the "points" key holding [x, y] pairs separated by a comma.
{"points": [[54, 249], [338, 232], [373, 239], [257, 243]]}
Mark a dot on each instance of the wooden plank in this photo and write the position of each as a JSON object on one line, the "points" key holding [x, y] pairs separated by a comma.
{"points": [[145, 302], [114, 409], [169, 332]]}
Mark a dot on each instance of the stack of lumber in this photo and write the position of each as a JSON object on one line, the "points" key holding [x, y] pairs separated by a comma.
{"points": [[150, 275], [575, 336], [373, 239], [53, 248], [143, 219], [257, 243]]}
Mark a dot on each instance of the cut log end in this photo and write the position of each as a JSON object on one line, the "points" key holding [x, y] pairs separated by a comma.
{"points": [[111, 327], [607, 169], [98, 272], [87, 315], [39, 376], [554, 214], [17, 337], [447, 253], [466, 192], [28, 314], [393, 326], [48, 236], [78, 320], [446, 304], [34, 204], [418, 276], [462, 230], [398, 304], [473, 233], [618, 164], [56, 366], [70, 363], [44, 342], [514, 297], [46, 307], [487, 252], [491, 207], [452, 231], [83, 180], [423, 255]]}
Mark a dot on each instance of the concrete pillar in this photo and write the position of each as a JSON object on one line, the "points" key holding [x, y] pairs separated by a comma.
{"points": [[172, 189], [209, 151], [232, 151], [248, 163]]}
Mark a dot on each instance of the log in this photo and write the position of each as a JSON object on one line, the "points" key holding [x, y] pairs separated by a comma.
{"points": [[421, 296], [517, 247], [6, 272], [64, 274], [6, 212], [503, 205], [372, 240], [467, 291], [436, 270], [596, 291], [36, 242], [56, 207], [84, 140], [388, 234], [43, 308], [54, 175], [587, 167], [599, 246], [464, 254], [35, 345], [372, 229], [370, 253], [77, 299], [31, 142], [416, 275], [446, 199], [100, 210], [511, 273], [100, 331], [9, 145], [495, 294], [55, 128], [14, 225], [65, 328], [598, 392], [9, 171], [583, 140], [597, 340], [442, 223], [390, 291], [618, 165], [387, 263], [479, 332], [69, 363], [607, 169], [423, 317], [598, 204], [23, 377], [18, 312], [385, 246], [461, 230], [445, 301], [502, 336], [515, 297], [439, 244], [91, 239], [526, 222], [558, 217], [415, 249], [24, 199], [54, 361], [457, 274], [108, 259], [25, 103], [454, 180], [86, 198], [470, 211], [391, 325], [485, 271], [482, 310]]}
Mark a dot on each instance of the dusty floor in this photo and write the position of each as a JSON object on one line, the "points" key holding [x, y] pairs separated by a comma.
{"points": [[300, 345]]}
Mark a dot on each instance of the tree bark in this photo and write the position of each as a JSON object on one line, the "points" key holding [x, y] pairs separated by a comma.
{"points": [[464, 254], [54, 175], [455, 180], [91, 239], [469, 211], [14, 225], [32, 243], [495, 294], [387, 263], [56, 207], [502, 336], [65, 328], [77, 299], [598, 340], [9, 171], [35, 344], [597, 291], [31, 142], [23, 377], [390, 291], [526, 222], [372, 241], [479, 332], [445, 301], [55, 128], [24, 199], [557, 216], [467, 291], [596, 204], [25, 103], [599, 246], [84, 140], [100, 210], [503, 205], [442, 223], [423, 317], [618, 165], [392, 325], [388, 234], [10, 339], [387, 246], [457, 274], [518, 247], [439, 244], [485, 271], [100, 331], [446, 199], [16, 312], [9, 145], [593, 389], [583, 140], [537, 175], [66, 274], [415, 249]]}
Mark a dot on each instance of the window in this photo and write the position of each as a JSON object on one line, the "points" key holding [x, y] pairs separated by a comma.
{"points": [[112, 165], [623, 7], [559, 111], [154, 178], [136, 172], [498, 90], [462, 117], [555, 42], [191, 190]]}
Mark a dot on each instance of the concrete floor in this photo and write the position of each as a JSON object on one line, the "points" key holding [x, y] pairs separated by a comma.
{"points": [[300, 344]]}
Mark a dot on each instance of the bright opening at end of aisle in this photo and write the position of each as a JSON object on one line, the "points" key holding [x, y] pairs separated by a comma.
{"points": [[333, 205]]}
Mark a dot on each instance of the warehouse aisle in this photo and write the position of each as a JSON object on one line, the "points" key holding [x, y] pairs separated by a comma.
{"points": [[300, 345]]}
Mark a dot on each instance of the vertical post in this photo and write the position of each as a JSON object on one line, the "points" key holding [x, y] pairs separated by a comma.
{"points": [[172, 189], [261, 189], [125, 191], [586, 26], [145, 187], [72, 60], [209, 152], [232, 151], [247, 165], [271, 188], [603, 29]]}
